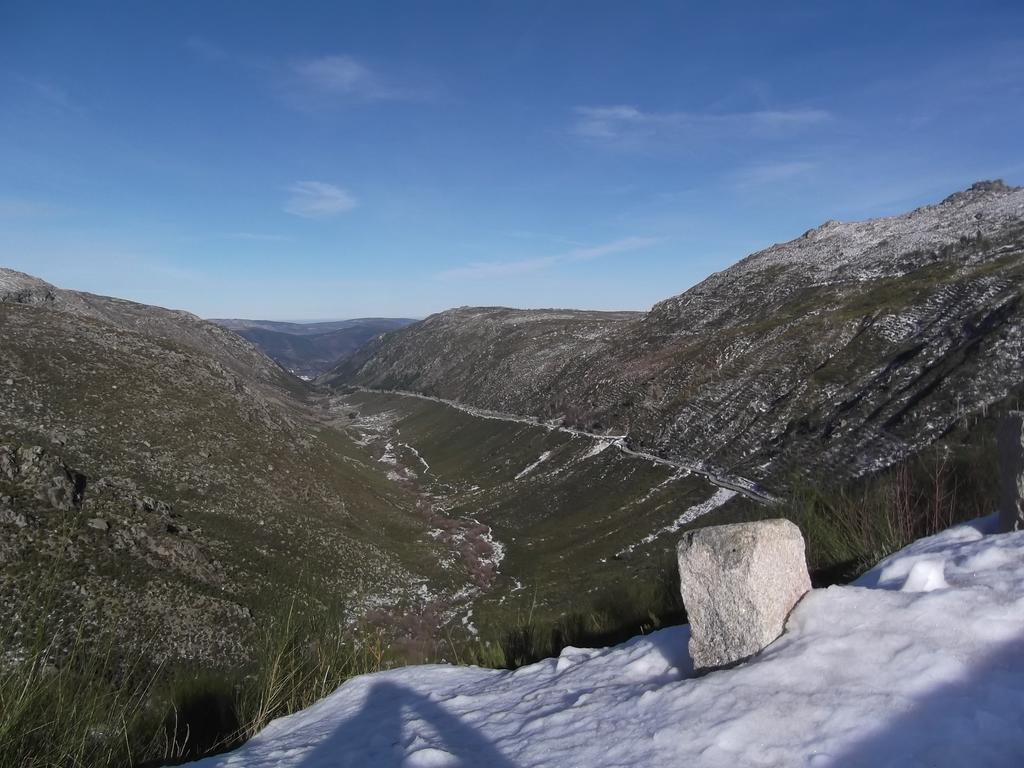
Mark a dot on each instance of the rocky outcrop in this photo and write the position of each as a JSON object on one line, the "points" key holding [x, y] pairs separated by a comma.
{"points": [[739, 583], [1011, 472], [38, 474]]}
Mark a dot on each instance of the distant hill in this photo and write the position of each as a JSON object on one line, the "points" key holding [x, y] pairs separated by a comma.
{"points": [[310, 349]]}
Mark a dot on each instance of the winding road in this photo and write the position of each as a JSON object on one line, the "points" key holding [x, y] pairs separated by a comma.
{"points": [[740, 485]]}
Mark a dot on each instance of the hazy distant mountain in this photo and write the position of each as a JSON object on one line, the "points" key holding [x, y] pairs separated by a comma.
{"points": [[310, 349]]}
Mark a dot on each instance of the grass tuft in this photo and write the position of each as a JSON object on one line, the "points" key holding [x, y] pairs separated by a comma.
{"points": [[84, 703]]}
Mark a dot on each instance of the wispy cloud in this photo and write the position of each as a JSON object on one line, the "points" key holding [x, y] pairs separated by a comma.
{"points": [[760, 174], [319, 81], [616, 246], [527, 234], [318, 200], [212, 53], [346, 76], [21, 208], [47, 92], [482, 270], [325, 81], [629, 125], [256, 237]]}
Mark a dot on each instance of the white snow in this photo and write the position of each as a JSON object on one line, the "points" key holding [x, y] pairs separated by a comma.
{"points": [[541, 459], [920, 663], [389, 454], [718, 498], [598, 447]]}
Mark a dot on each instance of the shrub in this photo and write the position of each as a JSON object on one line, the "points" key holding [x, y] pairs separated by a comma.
{"points": [[849, 528]]}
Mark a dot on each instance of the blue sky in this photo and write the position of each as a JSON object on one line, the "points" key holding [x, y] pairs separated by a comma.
{"points": [[327, 160]]}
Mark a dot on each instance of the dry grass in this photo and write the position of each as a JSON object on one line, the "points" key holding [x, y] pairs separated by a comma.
{"points": [[86, 704], [848, 529]]}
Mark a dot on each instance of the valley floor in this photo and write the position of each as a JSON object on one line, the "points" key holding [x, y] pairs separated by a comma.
{"points": [[917, 663]]}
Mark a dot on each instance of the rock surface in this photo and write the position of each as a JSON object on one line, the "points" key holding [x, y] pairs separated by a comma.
{"points": [[49, 478], [1011, 472], [739, 583]]}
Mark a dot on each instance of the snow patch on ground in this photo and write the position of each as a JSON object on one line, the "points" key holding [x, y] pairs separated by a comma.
{"points": [[426, 467], [719, 498], [389, 456], [497, 548], [598, 447], [875, 673], [543, 457]]}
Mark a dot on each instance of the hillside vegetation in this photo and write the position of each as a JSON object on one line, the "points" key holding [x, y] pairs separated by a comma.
{"points": [[839, 352]]}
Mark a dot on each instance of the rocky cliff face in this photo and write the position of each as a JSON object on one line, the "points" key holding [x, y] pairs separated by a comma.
{"points": [[839, 352]]}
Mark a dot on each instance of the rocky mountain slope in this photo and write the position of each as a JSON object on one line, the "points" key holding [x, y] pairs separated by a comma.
{"points": [[838, 352], [162, 479], [494, 357], [310, 349]]}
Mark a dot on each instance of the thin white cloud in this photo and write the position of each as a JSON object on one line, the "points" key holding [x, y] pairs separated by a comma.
{"points": [[203, 48], [256, 236], [339, 74], [315, 82], [46, 92], [55, 95], [771, 173], [318, 200], [347, 77], [21, 208], [482, 270], [526, 234], [616, 246], [625, 124], [212, 53]]}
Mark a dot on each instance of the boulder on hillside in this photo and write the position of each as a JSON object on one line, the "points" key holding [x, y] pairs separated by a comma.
{"points": [[739, 583], [42, 475]]}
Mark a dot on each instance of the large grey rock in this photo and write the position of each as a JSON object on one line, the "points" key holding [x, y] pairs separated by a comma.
{"points": [[1010, 439], [35, 470], [739, 583]]}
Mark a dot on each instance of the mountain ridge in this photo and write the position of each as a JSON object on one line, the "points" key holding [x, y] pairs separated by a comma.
{"points": [[855, 339]]}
